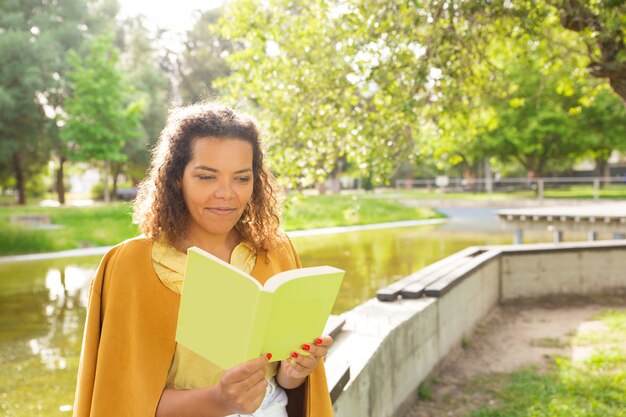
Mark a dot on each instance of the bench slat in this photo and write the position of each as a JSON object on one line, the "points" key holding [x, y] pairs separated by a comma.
{"points": [[415, 290], [334, 325], [337, 377], [393, 291], [452, 278]]}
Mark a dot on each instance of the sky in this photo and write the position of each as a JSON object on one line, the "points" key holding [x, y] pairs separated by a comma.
{"points": [[175, 15]]}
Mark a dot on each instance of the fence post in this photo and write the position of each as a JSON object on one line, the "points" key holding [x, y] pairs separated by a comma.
{"points": [[596, 188], [558, 236], [488, 178], [540, 189]]}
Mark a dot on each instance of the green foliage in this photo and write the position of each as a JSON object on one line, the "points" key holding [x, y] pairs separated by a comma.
{"points": [[202, 59], [378, 83], [369, 83], [602, 118], [307, 70], [424, 393], [141, 62], [34, 39], [100, 113], [114, 221], [76, 228], [15, 240]]}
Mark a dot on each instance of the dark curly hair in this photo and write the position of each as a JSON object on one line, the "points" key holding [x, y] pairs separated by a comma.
{"points": [[159, 208]]}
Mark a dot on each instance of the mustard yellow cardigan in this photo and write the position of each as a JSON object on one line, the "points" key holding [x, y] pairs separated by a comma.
{"points": [[129, 336]]}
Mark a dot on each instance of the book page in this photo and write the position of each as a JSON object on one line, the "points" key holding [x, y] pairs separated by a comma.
{"points": [[217, 310], [299, 310]]}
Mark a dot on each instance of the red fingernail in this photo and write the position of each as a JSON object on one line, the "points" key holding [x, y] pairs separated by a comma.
{"points": [[268, 356], [294, 355], [306, 347], [318, 341]]}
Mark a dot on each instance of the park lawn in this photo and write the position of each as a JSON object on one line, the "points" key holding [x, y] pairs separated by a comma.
{"points": [[422, 194], [79, 227], [591, 387], [310, 212], [108, 224], [612, 191]]}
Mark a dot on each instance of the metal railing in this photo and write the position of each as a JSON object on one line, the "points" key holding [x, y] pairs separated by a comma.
{"points": [[445, 184]]}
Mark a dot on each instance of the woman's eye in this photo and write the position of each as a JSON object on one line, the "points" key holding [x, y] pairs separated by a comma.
{"points": [[244, 179], [206, 177]]}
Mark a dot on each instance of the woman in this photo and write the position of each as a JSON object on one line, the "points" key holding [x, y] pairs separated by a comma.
{"points": [[208, 187]]}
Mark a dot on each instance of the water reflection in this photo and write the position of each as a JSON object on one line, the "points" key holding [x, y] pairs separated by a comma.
{"points": [[42, 312], [42, 304], [375, 258]]}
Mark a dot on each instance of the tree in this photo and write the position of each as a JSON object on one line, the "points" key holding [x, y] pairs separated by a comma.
{"points": [[323, 87], [101, 115], [141, 62], [601, 30], [602, 119], [379, 82], [535, 122], [34, 38], [28, 53], [87, 18], [202, 59]]}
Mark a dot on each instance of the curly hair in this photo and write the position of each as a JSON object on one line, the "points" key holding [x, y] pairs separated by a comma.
{"points": [[159, 208]]}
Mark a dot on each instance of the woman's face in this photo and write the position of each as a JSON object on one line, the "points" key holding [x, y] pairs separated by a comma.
{"points": [[217, 185]]}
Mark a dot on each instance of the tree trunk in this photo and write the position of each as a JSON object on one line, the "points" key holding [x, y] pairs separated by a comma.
{"points": [[105, 190], [60, 185], [409, 179], [469, 175], [618, 83], [335, 183], [114, 193], [488, 177], [19, 179]]}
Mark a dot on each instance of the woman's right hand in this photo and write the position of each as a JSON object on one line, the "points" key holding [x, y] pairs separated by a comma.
{"points": [[242, 388]]}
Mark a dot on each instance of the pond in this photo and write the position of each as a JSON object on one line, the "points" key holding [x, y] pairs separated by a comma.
{"points": [[42, 303]]}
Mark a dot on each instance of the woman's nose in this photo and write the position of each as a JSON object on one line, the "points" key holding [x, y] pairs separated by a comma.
{"points": [[224, 190]]}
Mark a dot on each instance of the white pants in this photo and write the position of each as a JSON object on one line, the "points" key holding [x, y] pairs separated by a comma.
{"points": [[274, 404]]}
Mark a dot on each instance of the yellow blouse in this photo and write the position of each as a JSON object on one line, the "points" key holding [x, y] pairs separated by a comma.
{"points": [[188, 369]]}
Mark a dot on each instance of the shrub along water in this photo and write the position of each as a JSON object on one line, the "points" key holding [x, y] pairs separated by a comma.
{"points": [[108, 224]]}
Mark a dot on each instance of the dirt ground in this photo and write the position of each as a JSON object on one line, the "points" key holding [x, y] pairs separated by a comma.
{"points": [[513, 336]]}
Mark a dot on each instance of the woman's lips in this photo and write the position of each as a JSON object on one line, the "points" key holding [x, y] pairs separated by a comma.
{"points": [[221, 211]]}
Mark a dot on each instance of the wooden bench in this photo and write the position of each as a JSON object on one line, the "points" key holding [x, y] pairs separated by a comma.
{"points": [[337, 375], [32, 220], [437, 278]]}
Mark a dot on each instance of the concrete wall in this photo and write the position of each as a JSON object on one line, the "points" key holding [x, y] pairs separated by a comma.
{"points": [[574, 269], [392, 347]]}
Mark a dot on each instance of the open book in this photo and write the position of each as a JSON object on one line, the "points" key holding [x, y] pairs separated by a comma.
{"points": [[227, 317]]}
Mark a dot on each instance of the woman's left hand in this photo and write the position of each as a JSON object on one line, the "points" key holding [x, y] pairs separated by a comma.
{"points": [[300, 365]]}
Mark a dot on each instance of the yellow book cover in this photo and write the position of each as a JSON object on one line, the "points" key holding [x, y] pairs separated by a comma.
{"points": [[227, 317]]}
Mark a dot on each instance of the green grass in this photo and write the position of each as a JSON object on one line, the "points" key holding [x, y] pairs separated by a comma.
{"points": [[591, 387], [469, 195], [308, 212], [80, 227], [108, 224], [613, 191]]}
